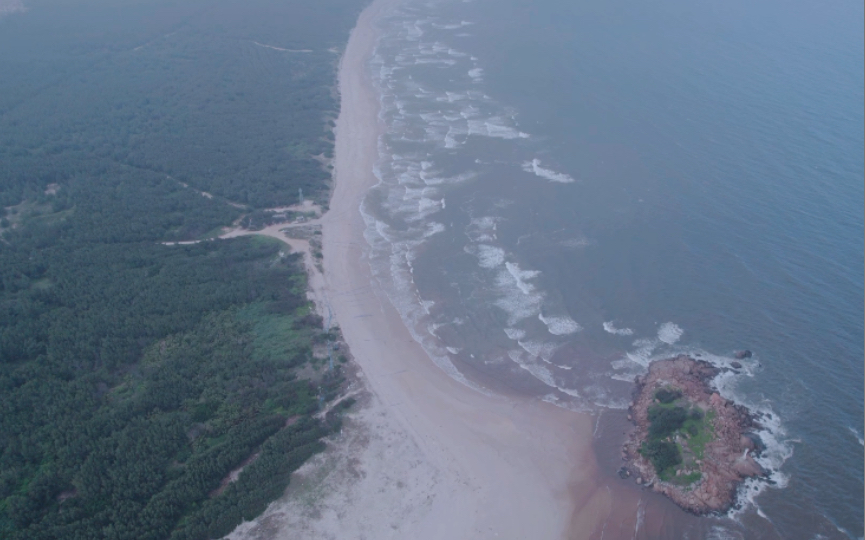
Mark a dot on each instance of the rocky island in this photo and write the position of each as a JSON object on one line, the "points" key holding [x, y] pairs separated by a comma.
{"points": [[690, 444]]}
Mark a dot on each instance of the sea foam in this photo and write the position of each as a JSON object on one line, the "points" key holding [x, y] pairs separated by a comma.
{"points": [[670, 333], [560, 326], [534, 167], [490, 256], [517, 298], [610, 328], [857, 435]]}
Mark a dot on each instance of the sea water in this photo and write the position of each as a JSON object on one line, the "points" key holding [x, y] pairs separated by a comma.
{"points": [[570, 190]]}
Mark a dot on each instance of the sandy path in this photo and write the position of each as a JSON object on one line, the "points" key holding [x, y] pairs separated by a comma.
{"points": [[426, 457]]}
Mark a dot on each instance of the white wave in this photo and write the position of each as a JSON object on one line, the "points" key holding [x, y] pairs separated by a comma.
{"points": [[515, 334], [520, 276], [490, 256], [477, 74], [493, 127], [431, 180], [609, 327], [539, 372], [451, 97], [539, 349], [440, 61], [452, 26], [430, 117], [414, 32], [482, 229], [719, 532], [575, 243], [426, 204], [778, 448], [534, 167], [516, 297], [642, 353], [450, 142], [560, 326], [469, 111], [602, 398], [392, 269], [453, 350], [519, 306], [670, 333], [433, 228], [857, 435]]}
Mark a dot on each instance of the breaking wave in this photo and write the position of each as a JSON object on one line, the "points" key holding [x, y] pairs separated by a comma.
{"points": [[610, 328], [670, 333], [534, 167]]}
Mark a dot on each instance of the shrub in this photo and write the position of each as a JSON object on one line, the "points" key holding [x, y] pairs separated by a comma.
{"points": [[663, 455], [664, 421], [666, 395]]}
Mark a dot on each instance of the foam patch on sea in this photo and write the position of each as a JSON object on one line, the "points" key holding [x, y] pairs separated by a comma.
{"points": [[534, 167], [560, 326], [610, 328]]}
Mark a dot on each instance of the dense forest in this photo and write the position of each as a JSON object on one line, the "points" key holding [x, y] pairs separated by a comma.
{"points": [[234, 98], [135, 376]]}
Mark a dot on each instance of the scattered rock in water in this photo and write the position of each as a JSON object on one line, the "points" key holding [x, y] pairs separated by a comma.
{"points": [[736, 365], [741, 355]]}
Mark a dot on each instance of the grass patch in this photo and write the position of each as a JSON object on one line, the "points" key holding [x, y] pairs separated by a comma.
{"points": [[699, 433], [280, 336], [677, 431]]}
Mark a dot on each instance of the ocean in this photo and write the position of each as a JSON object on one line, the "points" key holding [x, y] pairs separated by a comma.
{"points": [[570, 190]]}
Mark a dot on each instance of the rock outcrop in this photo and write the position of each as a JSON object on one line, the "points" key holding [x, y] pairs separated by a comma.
{"points": [[716, 452]]}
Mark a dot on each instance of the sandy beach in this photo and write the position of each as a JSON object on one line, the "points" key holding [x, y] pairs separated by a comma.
{"points": [[424, 456]]}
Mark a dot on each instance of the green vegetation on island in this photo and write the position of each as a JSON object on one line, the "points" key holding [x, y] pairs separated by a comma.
{"points": [[136, 377], [677, 435]]}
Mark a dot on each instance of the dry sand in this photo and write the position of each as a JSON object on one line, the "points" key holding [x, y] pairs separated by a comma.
{"points": [[423, 456]]}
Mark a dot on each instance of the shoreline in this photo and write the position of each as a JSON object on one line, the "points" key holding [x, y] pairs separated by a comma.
{"points": [[422, 455], [505, 467]]}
